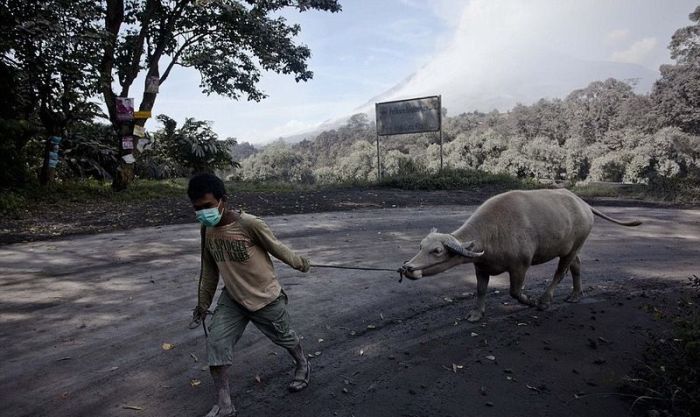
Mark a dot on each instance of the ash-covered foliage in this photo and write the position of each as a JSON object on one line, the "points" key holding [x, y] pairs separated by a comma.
{"points": [[589, 136], [602, 132]]}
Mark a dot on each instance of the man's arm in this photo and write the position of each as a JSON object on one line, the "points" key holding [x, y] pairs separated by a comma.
{"points": [[261, 232], [208, 280]]}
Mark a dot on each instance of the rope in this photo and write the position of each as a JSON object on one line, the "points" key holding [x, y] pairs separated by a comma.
{"points": [[361, 268], [204, 326], [203, 318]]}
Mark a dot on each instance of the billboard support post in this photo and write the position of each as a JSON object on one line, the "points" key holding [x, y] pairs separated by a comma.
{"points": [[379, 164], [440, 149], [440, 109]]}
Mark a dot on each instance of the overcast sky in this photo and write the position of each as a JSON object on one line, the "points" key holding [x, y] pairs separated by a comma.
{"points": [[374, 44]]}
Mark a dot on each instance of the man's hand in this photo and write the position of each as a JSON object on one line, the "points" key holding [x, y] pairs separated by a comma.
{"points": [[306, 264], [198, 314]]}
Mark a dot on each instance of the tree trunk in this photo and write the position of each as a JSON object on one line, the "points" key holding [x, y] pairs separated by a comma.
{"points": [[125, 174], [55, 126], [123, 177], [46, 174], [113, 22]]}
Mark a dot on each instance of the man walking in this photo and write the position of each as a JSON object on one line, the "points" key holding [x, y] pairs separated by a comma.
{"points": [[237, 246]]}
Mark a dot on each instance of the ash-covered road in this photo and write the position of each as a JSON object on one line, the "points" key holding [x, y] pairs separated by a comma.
{"points": [[82, 321]]}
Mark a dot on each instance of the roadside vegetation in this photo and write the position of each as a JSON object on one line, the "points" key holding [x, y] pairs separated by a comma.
{"points": [[667, 381], [680, 191], [23, 201], [14, 203]]}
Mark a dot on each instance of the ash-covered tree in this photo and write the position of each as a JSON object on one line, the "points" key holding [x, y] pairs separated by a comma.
{"points": [[277, 162], [15, 130], [676, 94], [50, 54], [229, 42], [241, 151], [590, 111]]}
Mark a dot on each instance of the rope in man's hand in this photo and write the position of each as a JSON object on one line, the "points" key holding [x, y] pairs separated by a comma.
{"points": [[400, 271], [199, 316]]}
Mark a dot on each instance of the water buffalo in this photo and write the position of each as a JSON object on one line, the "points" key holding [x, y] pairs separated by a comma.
{"points": [[508, 233]]}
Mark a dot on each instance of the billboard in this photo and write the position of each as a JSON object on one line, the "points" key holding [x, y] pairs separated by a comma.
{"points": [[409, 116]]}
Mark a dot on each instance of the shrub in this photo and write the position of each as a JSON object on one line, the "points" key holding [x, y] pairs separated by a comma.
{"points": [[610, 167], [360, 164], [277, 162], [546, 158], [399, 163], [12, 204], [683, 190], [512, 162], [326, 175], [450, 179]]}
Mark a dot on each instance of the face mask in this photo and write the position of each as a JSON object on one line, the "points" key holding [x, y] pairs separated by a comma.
{"points": [[209, 217]]}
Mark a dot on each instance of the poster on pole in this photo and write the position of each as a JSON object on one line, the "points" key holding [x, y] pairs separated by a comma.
{"points": [[128, 142], [414, 115], [54, 142], [125, 109], [139, 131]]}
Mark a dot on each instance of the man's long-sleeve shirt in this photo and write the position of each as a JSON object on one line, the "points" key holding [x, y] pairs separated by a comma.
{"points": [[240, 253]]}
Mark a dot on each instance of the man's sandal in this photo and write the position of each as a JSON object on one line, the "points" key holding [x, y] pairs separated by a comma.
{"points": [[299, 384], [216, 412]]}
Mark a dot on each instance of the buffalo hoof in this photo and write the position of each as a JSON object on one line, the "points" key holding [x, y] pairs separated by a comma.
{"points": [[544, 303], [474, 316], [575, 297], [524, 299]]}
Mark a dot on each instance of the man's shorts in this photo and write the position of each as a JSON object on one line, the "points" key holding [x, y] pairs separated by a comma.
{"points": [[230, 320]]}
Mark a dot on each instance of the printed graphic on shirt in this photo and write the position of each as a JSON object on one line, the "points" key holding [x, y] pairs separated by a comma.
{"points": [[223, 250]]}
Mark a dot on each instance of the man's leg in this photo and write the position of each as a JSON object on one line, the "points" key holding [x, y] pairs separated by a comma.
{"points": [[273, 322], [227, 325], [302, 370], [223, 407]]}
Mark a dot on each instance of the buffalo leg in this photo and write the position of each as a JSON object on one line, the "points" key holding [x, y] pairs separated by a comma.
{"points": [[517, 279], [576, 292], [482, 283], [564, 263]]}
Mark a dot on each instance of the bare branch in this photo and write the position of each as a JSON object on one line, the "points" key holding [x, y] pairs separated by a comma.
{"points": [[177, 54], [113, 21], [133, 69]]}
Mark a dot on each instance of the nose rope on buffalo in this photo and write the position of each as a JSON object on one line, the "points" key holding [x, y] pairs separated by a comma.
{"points": [[400, 271]]}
